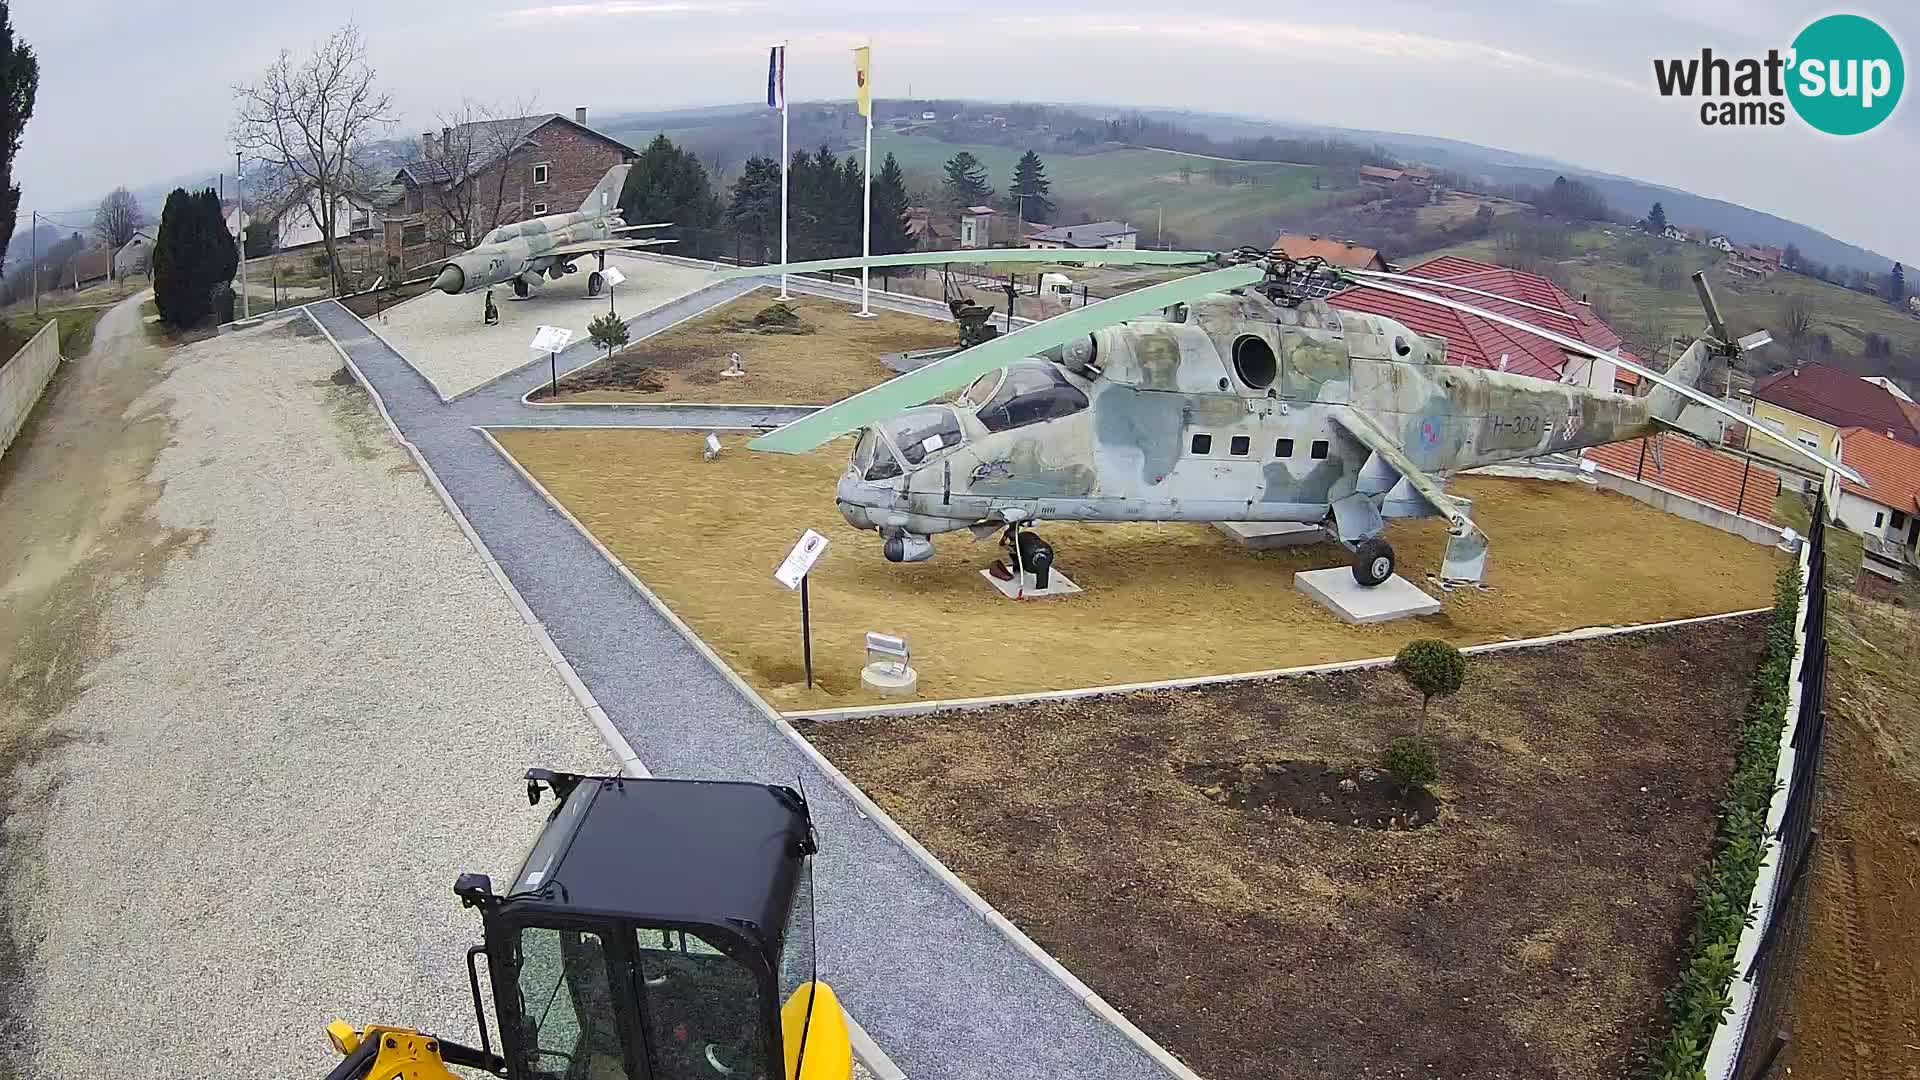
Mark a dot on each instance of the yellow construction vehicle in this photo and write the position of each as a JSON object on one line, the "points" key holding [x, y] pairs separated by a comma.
{"points": [[659, 930]]}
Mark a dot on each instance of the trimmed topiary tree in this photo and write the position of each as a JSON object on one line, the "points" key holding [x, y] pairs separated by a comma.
{"points": [[608, 332], [1433, 669], [1410, 762]]}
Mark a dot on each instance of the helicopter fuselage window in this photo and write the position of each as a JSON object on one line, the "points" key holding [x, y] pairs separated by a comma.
{"points": [[1029, 394]]}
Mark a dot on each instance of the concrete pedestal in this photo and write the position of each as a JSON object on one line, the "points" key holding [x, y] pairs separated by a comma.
{"points": [[1394, 598], [891, 679], [1058, 584], [1266, 535]]}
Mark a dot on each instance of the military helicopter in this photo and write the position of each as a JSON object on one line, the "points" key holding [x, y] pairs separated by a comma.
{"points": [[1230, 395], [549, 245]]}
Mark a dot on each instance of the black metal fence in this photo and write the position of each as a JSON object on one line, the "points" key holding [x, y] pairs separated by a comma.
{"points": [[1763, 1047]]}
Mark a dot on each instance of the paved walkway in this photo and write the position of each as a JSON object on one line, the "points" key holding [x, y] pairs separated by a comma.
{"points": [[945, 994]]}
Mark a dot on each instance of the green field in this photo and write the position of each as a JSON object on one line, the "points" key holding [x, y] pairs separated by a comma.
{"points": [[1139, 185], [1639, 307]]}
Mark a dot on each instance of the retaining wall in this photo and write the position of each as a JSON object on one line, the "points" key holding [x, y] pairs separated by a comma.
{"points": [[24, 377]]}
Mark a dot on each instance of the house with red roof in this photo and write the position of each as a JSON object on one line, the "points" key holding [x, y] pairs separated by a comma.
{"points": [[1885, 510], [1813, 403], [1473, 341]]}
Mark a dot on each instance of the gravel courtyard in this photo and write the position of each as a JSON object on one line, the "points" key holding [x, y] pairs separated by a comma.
{"points": [[293, 722], [444, 338]]}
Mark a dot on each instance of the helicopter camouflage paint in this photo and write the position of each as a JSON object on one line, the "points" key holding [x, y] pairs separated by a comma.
{"points": [[1226, 396], [548, 245]]}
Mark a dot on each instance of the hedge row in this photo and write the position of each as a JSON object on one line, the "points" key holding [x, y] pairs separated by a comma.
{"points": [[1700, 995]]}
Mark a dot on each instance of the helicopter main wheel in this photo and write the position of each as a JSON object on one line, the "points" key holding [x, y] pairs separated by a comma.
{"points": [[1036, 558], [520, 289], [1372, 562]]}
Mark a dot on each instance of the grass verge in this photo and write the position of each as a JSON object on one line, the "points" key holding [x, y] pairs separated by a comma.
{"points": [[1699, 997], [76, 330]]}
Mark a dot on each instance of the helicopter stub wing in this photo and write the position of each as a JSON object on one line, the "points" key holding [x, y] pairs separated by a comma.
{"points": [[924, 384], [1119, 257], [1574, 345], [1465, 558]]}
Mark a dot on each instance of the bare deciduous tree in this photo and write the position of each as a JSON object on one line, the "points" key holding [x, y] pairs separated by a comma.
{"points": [[469, 194], [310, 123], [1796, 324], [117, 218]]}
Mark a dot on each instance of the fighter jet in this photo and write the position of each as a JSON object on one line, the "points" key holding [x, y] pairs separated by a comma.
{"points": [[549, 245]]}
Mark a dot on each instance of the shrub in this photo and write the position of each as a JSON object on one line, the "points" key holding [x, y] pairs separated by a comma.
{"points": [[1433, 669], [1698, 998], [608, 332], [1410, 762]]}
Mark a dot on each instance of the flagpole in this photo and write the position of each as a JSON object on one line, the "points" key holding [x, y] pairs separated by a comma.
{"points": [[866, 203], [785, 156]]}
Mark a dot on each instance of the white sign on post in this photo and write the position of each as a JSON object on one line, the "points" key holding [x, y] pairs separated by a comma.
{"points": [[612, 275], [801, 559], [551, 339]]}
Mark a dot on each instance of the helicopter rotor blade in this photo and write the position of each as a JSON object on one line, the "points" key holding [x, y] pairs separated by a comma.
{"points": [[915, 387], [1102, 257], [1429, 283], [1575, 346]]}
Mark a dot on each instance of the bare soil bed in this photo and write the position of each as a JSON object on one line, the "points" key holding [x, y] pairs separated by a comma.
{"points": [[1161, 601], [832, 354], [1526, 933]]}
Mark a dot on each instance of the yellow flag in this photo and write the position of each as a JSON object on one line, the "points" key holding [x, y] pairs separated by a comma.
{"points": [[863, 79]]}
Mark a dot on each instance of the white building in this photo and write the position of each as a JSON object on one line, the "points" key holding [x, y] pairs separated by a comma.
{"points": [[1721, 243], [1108, 235], [976, 227], [1886, 512]]}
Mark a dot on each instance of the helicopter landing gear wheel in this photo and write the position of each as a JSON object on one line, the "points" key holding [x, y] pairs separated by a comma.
{"points": [[1026, 551], [1372, 562], [520, 289]]}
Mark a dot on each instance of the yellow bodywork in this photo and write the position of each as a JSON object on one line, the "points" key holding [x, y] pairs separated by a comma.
{"points": [[404, 1054], [829, 1049]]}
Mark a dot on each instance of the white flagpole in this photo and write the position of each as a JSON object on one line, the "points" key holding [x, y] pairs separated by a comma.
{"points": [[785, 156], [866, 203]]}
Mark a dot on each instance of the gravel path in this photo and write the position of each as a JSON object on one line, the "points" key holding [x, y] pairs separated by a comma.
{"points": [[945, 994], [444, 338], [314, 719]]}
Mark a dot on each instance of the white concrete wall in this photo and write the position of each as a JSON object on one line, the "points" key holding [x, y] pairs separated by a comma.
{"points": [[24, 377]]}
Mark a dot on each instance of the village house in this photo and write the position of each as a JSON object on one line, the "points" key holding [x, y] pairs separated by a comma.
{"points": [[1330, 249], [1885, 511], [1721, 243], [1107, 235], [136, 254], [1379, 176], [1813, 403], [1675, 232]]}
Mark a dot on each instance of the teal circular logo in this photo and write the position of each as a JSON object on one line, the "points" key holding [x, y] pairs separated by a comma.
{"points": [[1846, 76]]}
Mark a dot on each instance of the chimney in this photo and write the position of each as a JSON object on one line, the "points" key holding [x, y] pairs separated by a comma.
{"points": [[426, 144], [580, 116], [446, 141]]}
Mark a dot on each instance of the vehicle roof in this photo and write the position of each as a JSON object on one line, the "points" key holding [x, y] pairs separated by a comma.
{"points": [[700, 852]]}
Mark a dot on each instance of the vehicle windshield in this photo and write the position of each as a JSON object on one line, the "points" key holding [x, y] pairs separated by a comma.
{"points": [[919, 433], [1030, 393]]}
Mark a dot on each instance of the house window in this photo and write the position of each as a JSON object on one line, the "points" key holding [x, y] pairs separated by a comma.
{"points": [[1319, 449], [1239, 446], [539, 208], [1283, 448], [1203, 444], [1899, 520], [1807, 439], [540, 173]]}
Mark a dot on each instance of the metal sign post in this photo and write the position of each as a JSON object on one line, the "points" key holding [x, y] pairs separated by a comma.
{"points": [[793, 573], [550, 340], [612, 276]]}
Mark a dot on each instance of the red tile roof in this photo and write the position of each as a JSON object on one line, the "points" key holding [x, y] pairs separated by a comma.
{"points": [[1334, 252], [1696, 472], [1891, 467], [1837, 397], [1476, 342]]}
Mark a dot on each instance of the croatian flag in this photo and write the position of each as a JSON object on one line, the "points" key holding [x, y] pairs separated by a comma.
{"points": [[777, 77]]}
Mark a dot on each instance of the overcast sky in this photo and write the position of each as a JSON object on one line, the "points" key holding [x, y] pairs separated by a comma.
{"points": [[137, 97]]}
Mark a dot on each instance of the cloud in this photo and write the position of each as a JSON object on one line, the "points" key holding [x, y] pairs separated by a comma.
{"points": [[621, 8]]}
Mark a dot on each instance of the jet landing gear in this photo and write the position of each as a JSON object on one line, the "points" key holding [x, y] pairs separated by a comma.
{"points": [[1372, 562], [520, 289]]}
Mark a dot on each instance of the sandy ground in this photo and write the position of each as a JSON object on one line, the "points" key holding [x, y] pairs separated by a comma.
{"points": [[443, 336], [265, 703], [1527, 933], [836, 357], [1162, 601]]}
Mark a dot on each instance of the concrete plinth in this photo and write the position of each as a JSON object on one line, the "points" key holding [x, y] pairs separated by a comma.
{"points": [[1265, 535], [1394, 598], [1058, 584], [891, 679]]}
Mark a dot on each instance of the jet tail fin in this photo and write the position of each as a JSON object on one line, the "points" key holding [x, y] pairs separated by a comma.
{"points": [[606, 194]]}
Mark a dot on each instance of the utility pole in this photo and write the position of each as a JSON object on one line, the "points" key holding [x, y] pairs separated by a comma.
{"points": [[33, 266], [240, 236]]}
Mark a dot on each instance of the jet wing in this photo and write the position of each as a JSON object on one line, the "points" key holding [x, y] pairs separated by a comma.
{"points": [[589, 247]]}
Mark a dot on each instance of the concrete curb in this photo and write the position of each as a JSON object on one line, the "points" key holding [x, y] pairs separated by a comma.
{"points": [[917, 708], [870, 1053], [616, 743]]}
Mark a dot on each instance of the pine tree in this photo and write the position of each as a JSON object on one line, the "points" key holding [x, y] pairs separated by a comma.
{"points": [[1897, 285], [966, 181], [176, 253], [19, 81], [890, 209], [1027, 194], [670, 184], [753, 205], [1657, 219]]}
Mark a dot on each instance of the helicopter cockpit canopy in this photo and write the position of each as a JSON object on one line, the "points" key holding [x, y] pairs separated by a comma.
{"points": [[918, 433], [1022, 393]]}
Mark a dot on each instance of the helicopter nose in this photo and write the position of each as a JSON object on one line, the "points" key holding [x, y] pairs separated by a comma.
{"points": [[452, 279]]}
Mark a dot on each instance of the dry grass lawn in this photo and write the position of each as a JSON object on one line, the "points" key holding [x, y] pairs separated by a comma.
{"points": [[837, 357], [1162, 601]]}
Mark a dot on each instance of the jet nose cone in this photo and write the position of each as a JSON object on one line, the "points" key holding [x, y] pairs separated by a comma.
{"points": [[452, 279]]}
